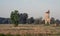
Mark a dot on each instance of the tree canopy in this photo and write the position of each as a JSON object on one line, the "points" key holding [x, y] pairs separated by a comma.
{"points": [[15, 17]]}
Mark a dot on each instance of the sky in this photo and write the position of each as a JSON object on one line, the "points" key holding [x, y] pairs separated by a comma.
{"points": [[34, 8]]}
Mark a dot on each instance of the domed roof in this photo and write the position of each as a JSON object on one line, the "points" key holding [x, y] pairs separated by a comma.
{"points": [[48, 11]]}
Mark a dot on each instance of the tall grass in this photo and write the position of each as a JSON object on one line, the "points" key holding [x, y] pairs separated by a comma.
{"points": [[28, 34]]}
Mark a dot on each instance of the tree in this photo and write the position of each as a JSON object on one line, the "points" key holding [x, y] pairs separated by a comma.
{"points": [[30, 20], [52, 21], [40, 20], [57, 22], [15, 17], [23, 18], [36, 21], [43, 21]]}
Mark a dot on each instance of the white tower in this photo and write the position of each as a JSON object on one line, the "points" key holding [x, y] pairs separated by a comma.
{"points": [[47, 17]]}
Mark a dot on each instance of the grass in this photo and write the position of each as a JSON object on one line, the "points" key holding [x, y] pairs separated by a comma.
{"points": [[28, 34], [29, 30]]}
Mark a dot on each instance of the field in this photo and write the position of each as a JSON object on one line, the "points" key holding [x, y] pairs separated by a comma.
{"points": [[31, 29]]}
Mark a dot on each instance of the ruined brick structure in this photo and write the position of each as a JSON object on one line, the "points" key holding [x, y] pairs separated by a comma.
{"points": [[47, 17]]}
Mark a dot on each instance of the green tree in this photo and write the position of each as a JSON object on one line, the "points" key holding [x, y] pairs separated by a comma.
{"points": [[30, 20], [15, 17], [52, 21], [23, 18], [40, 20]]}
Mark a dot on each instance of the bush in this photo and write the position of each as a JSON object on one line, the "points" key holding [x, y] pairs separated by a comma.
{"points": [[9, 35], [17, 35], [28, 34], [2, 34]]}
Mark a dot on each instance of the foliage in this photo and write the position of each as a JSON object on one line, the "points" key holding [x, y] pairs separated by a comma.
{"points": [[40, 20], [36, 21], [2, 34], [30, 20], [52, 20], [14, 17], [23, 18], [9, 34], [28, 34], [17, 35], [57, 21]]}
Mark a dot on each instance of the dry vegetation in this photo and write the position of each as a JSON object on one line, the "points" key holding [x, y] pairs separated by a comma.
{"points": [[29, 29]]}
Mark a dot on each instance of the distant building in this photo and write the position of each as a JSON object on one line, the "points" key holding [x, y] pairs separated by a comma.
{"points": [[47, 17]]}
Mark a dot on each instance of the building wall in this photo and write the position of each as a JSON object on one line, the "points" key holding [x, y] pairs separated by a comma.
{"points": [[47, 17]]}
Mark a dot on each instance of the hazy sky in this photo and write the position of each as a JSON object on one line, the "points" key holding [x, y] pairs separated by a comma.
{"points": [[34, 8]]}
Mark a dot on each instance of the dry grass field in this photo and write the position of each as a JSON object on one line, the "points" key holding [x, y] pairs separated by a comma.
{"points": [[30, 29]]}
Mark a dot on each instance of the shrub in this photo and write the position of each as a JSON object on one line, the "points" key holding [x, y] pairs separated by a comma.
{"points": [[2, 34], [9, 35], [17, 35]]}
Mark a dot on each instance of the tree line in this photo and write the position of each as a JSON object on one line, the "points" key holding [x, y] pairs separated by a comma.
{"points": [[22, 18]]}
